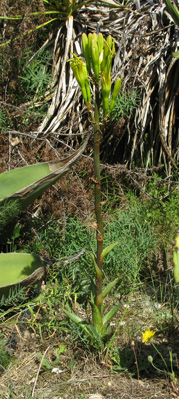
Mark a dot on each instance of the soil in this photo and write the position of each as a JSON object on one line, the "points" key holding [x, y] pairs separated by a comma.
{"points": [[81, 372]]}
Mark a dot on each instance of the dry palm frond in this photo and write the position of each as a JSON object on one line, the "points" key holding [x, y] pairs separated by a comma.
{"points": [[144, 61], [145, 38]]}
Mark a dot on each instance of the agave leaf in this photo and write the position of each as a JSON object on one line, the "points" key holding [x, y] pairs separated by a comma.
{"points": [[109, 249], [29, 182], [19, 269], [95, 336]]}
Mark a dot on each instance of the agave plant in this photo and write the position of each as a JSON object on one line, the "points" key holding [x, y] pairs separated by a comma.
{"points": [[21, 186]]}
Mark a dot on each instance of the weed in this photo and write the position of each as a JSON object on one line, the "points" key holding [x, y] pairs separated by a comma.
{"points": [[15, 296], [125, 105], [5, 358], [3, 120], [35, 75], [148, 336], [136, 242], [9, 210]]}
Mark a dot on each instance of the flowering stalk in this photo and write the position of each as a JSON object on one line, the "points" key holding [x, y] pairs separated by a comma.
{"points": [[98, 54]]}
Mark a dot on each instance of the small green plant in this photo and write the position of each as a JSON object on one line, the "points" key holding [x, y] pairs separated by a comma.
{"points": [[53, 365], [125, 105], [148, 337], [8, 211], [3, 120], [35, 75], [5, 357], [16, 296]]}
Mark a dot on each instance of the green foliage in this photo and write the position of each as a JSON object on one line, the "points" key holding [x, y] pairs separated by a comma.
{"points": [[3, 120], [163, 206], [5, 358], [15, 297], [127, 225], [136, 242], [36, 75], [125, 105], [8, 211], [60, 239], [176, 259]]}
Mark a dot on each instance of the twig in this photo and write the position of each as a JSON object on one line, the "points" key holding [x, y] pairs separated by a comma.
{"points": [[37, 375]]}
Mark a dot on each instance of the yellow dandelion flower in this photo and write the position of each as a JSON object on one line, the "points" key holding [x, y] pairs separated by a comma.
{"points": [[147, 335]]}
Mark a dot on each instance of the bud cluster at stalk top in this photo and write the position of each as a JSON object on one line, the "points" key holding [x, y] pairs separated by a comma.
{"points": [[98, 54]]}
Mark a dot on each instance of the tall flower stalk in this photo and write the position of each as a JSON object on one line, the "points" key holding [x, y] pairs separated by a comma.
{"points": [[96, 71]]}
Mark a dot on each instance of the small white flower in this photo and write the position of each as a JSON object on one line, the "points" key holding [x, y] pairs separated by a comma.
{"points": [[56, 370]]}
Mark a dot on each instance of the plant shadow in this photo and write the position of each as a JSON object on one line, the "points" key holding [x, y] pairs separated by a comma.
{"points": [[135, 359]]}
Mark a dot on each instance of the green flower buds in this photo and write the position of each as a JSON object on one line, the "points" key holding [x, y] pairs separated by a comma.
{"points": [[86, 52], [95, 56], [100, 46], [98, 54], [108, 54], [116, 90], [106, 88], [80, 71]]}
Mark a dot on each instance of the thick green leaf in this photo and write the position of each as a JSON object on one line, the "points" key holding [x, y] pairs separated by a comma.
{"points": [[19, 269], [109, 249], [74, 317], [110, 314], [107, 289], [96, 316], [78, 320], [95, 336], [98, 271], [25, 184]]}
